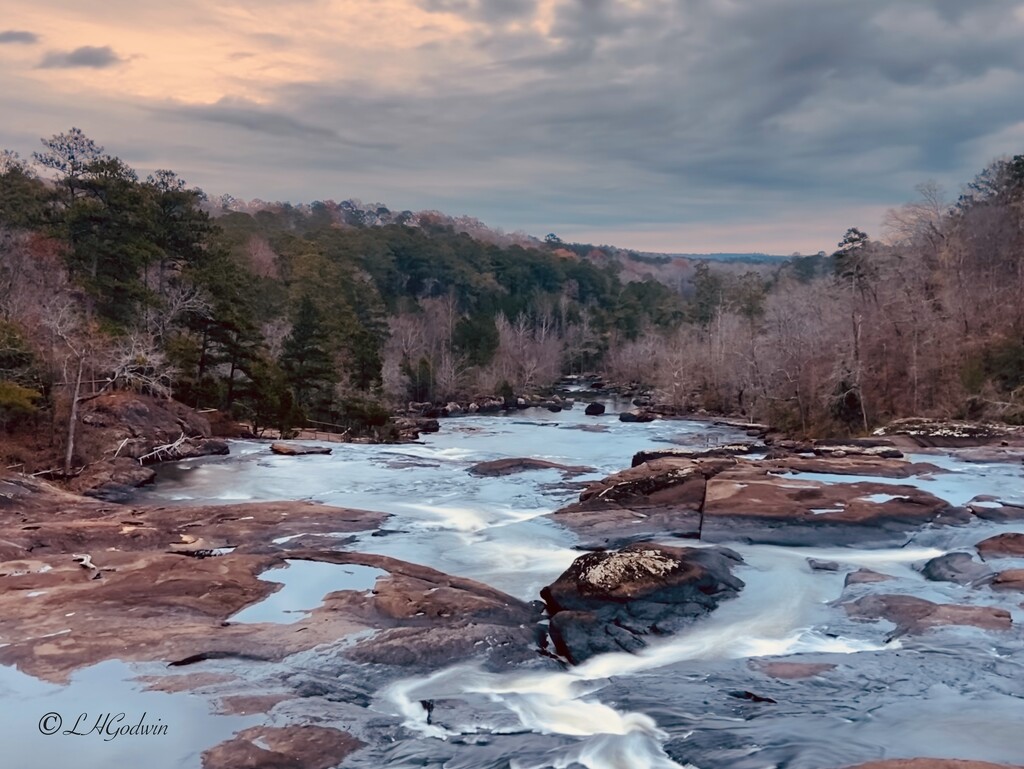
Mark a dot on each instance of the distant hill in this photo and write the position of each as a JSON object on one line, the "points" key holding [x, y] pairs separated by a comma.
{"points": [[755, 258]]}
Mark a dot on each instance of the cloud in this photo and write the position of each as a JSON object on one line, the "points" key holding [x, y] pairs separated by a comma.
{"points": [[89, 56], [482, 10], [18, 36], [239, 113], [669, 117]]}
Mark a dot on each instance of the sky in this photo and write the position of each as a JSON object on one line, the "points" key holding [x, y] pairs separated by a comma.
{"points": [[661, 125]]}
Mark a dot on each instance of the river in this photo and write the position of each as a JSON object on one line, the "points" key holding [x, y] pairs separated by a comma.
{"points": [[954, 693]]}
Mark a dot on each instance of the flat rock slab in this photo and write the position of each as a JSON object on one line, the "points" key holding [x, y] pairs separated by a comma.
{"points": [[1009, 545], [1012, 579], [510, 466], [287, 747], [721, 499], [615, 601], [915, 615], [427, 618], [730, 450], [296, 449]]}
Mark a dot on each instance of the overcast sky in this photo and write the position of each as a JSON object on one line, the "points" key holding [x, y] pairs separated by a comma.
{"points": [[671, 125]]}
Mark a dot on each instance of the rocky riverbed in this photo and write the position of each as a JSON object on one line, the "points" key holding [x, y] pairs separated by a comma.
{"points": [[505, 591]]}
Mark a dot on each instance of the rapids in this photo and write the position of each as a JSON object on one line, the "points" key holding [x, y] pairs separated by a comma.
{"points": [[955, 693]]}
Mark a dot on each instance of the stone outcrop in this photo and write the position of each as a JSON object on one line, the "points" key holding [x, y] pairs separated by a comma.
{"points": [[960, 568], [615, 601], [946, 432], [298, 449], [727, 498], [637, 415], [513, 465], [915, 615], [1011, 579], [282, 747], [1009, 545]]}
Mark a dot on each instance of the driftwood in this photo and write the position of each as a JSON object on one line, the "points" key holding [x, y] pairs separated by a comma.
{"points": [[168, 449]]}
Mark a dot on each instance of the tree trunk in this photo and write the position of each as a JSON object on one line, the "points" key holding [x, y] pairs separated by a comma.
{"points": [[73, 419]]}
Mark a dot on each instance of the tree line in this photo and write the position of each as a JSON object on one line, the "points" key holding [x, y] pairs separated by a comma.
{"points": [[285, 313]]}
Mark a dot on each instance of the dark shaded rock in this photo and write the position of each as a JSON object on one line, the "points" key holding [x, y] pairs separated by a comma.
{"points": [[594, 409], [612, 601], [117, 493], [745, 695], [817, 565], [995, 510], [113, 480], [554, 408], [510, 466], [960, 568], [916, 615], [637, 415], [1002, 545], [297, 449]]}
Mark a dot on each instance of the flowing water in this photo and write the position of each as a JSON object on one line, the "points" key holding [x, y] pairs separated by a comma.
{"points": [[956, 693]]}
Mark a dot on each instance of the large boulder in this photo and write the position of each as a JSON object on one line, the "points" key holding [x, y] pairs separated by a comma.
{"points": [[594, 409], [960, 568], [637, 415], [723, 499], [616, 601]]}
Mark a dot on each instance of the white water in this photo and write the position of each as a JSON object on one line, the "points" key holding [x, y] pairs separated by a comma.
{"points": [[493, 530], [774, 615]]}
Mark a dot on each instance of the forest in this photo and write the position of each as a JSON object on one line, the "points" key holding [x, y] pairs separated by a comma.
{"points": [[281, 313]]}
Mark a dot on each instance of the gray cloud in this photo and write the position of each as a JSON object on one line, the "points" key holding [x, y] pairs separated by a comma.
{"points": [[94, 57], [483, 10], [658, 114], [18, 36], [239, 113]]}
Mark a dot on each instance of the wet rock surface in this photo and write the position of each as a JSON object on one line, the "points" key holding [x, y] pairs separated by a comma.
{"points": [[1010, 544], [916, 615], [614, 601], [499, 467], [288, 747], [722, 498], [931, 763], [298, 449], [960, 568]]}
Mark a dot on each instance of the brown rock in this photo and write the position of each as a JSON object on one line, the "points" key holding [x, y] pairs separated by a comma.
{"points": [[915, 615], [510, 466], [865, 576], [288, 747], [248, 704], [297, 449], [1009, 544], [1012, 579]]}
